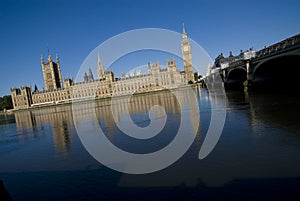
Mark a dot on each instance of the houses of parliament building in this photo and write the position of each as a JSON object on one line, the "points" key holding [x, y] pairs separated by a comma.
{"points": [[106, 85]]}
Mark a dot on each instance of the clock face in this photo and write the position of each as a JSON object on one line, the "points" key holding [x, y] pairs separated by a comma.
{"points": [[185, 48]]}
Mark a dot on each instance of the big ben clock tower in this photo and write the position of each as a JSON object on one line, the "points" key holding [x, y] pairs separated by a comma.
{"points": [[187, 57]]}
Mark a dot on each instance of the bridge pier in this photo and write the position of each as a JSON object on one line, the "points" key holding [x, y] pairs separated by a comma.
{"points": [[249, 71], [248, 83]]}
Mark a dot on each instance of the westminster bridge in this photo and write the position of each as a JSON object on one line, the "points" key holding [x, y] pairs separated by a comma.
{"points": [[274, 67]]}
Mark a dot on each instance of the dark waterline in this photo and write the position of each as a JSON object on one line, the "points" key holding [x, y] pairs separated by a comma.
{"points": [[256, 158]]}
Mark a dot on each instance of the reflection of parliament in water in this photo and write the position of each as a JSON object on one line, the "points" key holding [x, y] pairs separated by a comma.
{"points": [[60, 118], [106, 85]]}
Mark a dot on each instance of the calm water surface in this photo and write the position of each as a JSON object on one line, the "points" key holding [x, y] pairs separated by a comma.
{"points": [[256, 158]]}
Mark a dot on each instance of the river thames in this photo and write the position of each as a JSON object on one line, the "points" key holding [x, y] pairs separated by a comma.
{"points": [[256, 158]]}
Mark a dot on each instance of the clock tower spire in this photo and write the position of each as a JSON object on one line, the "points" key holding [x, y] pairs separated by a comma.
{"points": [[187, 57], [183, 31]]}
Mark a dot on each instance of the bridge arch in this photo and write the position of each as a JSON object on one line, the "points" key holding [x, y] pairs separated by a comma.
{"points": [[278, 72], [235, 78]]}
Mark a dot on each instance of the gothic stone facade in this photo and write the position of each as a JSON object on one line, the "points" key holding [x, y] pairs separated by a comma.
{"points": [[106, 85]]}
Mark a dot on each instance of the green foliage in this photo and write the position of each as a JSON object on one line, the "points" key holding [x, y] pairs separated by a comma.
{"points": [[195, 76], [6, 103], [190, 82]]}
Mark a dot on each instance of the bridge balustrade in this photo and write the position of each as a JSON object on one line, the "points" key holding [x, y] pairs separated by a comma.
{"points": [[295, 40]]}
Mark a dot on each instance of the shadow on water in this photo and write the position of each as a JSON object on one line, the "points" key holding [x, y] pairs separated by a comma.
{"points": [[281, 109], [4, 196], [84, 185]]}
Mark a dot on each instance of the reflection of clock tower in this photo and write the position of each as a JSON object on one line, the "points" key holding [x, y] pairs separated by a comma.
{"points": [[187, 57]]}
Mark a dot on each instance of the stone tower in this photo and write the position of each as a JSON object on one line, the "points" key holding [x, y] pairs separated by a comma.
{"points": [[21, 97], [187, 56], [52, 73]]}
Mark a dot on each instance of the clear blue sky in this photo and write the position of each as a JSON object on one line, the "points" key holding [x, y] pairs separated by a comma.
{"points": [[74, 28]]}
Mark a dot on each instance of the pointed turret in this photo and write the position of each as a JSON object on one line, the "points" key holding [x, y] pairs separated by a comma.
{"points": [[91, 76], [85, 77], [35, 88], [101, 70], [42, 59], [184, 35], [99, 60], [59, 71], [56, 59], [49, 58]]}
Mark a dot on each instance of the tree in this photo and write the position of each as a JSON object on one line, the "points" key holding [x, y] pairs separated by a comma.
{"points": [[6, 102], [196, 76]]}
